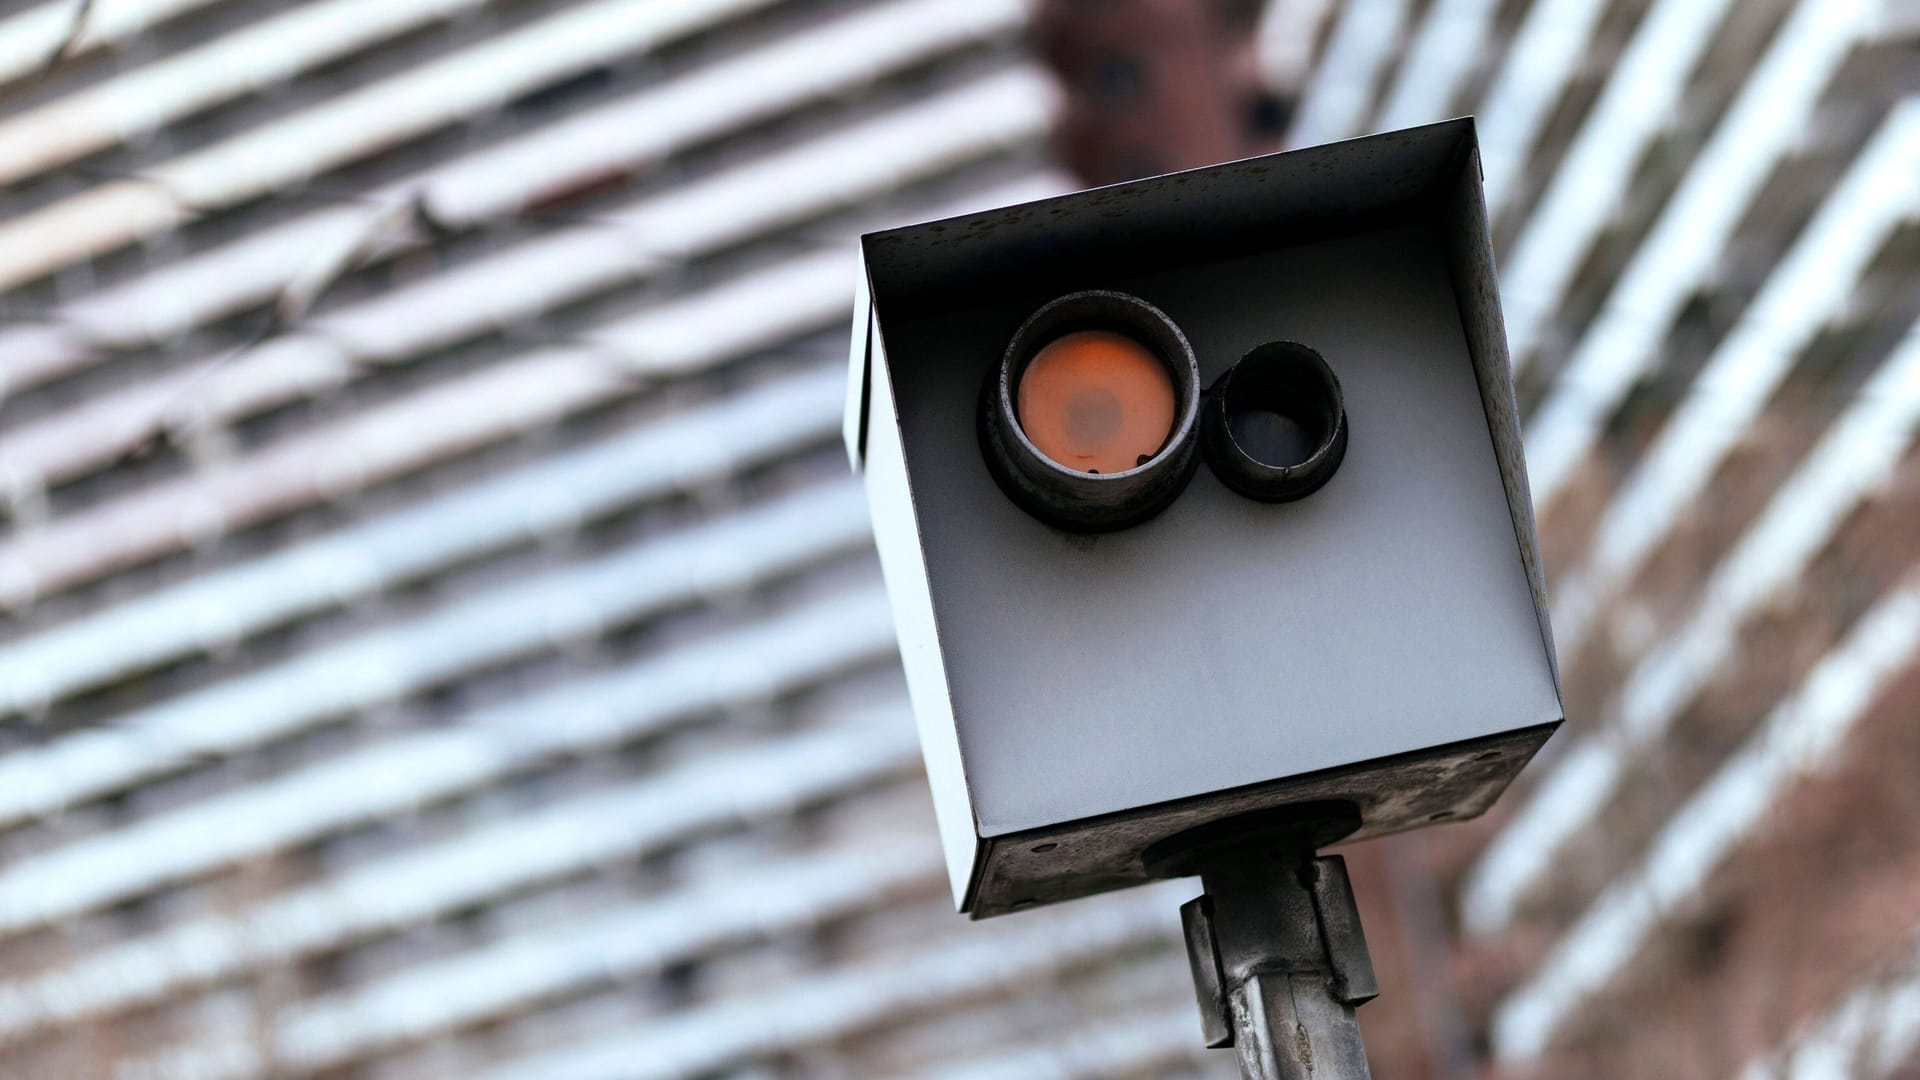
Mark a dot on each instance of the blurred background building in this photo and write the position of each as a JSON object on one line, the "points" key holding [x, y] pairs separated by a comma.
{"points": [[443, 638]]}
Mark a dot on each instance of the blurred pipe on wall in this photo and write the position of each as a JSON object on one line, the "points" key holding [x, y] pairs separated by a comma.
{"points": [[1156, 86]]}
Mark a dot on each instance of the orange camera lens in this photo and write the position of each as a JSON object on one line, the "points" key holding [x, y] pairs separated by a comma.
{"points": [[1090, 421], [1096, 402]]}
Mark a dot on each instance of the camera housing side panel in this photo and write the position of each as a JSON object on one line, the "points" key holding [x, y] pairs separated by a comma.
{"points": [[896, 531]]}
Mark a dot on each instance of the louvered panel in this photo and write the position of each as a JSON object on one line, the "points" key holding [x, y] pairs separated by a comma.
{"points": [[438, 618], [443, 643], [1747, 278]]}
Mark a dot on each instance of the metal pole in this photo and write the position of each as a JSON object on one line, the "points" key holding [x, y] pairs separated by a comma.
{"points": [[1279, 961]]}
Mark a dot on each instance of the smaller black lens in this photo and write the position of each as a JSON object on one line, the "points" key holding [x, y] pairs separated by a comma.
{"points": [[1275, 425]]}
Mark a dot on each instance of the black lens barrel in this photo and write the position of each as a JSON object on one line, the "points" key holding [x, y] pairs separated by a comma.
{"points": [[1274, 425], [1067, 498]]}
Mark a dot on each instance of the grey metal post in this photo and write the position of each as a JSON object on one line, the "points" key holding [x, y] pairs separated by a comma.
{"points": [[1280, 963]]}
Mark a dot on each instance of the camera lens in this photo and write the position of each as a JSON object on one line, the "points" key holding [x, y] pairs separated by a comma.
{"points": [[1089, 421], [1096, 401], [1275, 427]]}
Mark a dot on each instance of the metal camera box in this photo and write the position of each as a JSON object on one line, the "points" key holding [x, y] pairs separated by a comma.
{"points": [[1379, 642]]}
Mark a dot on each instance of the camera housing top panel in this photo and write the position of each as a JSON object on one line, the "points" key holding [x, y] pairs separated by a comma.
{"points": [[1379, 646]]}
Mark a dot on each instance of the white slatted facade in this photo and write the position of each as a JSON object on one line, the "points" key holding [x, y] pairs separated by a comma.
{"points": [[444, 642]]}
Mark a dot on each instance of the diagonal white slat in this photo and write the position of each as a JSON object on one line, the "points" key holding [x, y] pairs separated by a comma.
{"points": [[128, 107], [1139, 1044], [1872, 1034], [1451, 37], [1641, 97], [383, 665], [345, 128], [1799, 737], [632, 940], [621, 136], [1693, 230], [702, 1040], [231, 1052], [754, 311], [1338, 97], [30, 38], [1540, 62], [692, 447], [565, 838], [1857, 456], [524, 281], [1809, 289], [1285, 40]]}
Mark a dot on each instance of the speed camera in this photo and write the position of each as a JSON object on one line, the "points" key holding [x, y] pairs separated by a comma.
{"points": [[1200, 500]]}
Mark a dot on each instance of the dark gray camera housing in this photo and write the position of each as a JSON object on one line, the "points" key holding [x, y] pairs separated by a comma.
{"points": [[1380, 645]]}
